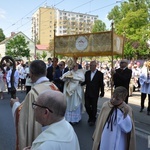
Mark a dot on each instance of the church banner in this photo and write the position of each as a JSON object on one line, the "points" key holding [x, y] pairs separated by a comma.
{"points": [[90, 44]]}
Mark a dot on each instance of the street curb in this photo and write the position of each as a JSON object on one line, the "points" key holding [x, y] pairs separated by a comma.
{"points": [[142, 133]]}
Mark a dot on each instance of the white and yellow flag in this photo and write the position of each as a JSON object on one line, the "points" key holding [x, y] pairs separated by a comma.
{"points": [[90, 44]]}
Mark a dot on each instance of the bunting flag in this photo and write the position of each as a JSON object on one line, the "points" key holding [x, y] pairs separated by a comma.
{"points": [[90, 44]]}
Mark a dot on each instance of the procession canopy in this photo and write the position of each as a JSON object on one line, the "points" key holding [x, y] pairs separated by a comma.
{"points": [[90, 44]]}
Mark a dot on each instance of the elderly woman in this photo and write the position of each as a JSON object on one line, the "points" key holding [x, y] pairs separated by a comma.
{"points": [[74, 93]]}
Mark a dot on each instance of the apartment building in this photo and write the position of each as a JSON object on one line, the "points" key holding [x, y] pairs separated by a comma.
{"points": [[47, 20]]}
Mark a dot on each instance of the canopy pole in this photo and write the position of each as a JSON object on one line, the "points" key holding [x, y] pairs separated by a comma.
{"points": [[54, 42], [112, 55], [123, 46]]}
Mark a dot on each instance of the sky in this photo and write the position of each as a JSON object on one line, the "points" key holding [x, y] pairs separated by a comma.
{"points": [[16, 15]]}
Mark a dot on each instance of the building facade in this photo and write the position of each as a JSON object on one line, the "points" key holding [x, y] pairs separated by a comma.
{"points": [[47, 20], [31, 45]]}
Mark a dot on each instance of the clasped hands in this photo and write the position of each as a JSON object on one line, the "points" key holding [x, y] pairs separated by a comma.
{"points": [[120, 104]]}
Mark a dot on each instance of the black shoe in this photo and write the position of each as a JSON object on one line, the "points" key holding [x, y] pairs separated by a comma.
{"points": [[141, 110], [89, 120], [91, 123]]}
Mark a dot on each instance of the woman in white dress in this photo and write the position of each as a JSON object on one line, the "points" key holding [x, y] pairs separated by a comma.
{"points": [[2, 82]]}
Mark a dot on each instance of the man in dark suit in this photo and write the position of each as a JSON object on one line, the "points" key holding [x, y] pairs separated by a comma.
{"points": [[94, 84], [51, 70], [58, 73], [122, 76]]}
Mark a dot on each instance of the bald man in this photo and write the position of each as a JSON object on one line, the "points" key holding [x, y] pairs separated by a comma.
{"points": [[49, 111]]}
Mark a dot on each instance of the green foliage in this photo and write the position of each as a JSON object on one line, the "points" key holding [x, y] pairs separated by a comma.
{"points": [[44, 54], [132, 19], [128, 50], [38, 56], [99, 26], [60, 56], [2, 36], [18, 47]]}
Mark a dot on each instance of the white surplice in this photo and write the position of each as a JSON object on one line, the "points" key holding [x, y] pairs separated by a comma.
{"points": [[73, 92], [117, 137], [58, 136]]}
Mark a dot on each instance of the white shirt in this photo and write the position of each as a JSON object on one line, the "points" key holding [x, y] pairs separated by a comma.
{"points": [[16, 78], [22, 73], [144, 80], [92, 74]]}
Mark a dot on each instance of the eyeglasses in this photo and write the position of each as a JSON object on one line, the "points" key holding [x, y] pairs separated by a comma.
{"points": [[60, 64], [34, 106]]}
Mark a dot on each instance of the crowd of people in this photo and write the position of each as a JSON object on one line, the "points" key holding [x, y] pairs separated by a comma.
{"points": [[58, 93], [20, 80]]}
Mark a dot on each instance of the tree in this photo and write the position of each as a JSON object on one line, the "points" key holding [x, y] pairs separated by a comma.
{"points": [[99, 26], [44, 54], [2, 36], [132, 19], [18, 47], [38, 56]]}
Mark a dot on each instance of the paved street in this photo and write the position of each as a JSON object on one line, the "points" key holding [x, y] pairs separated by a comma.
{"points": [[84, 132]]}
